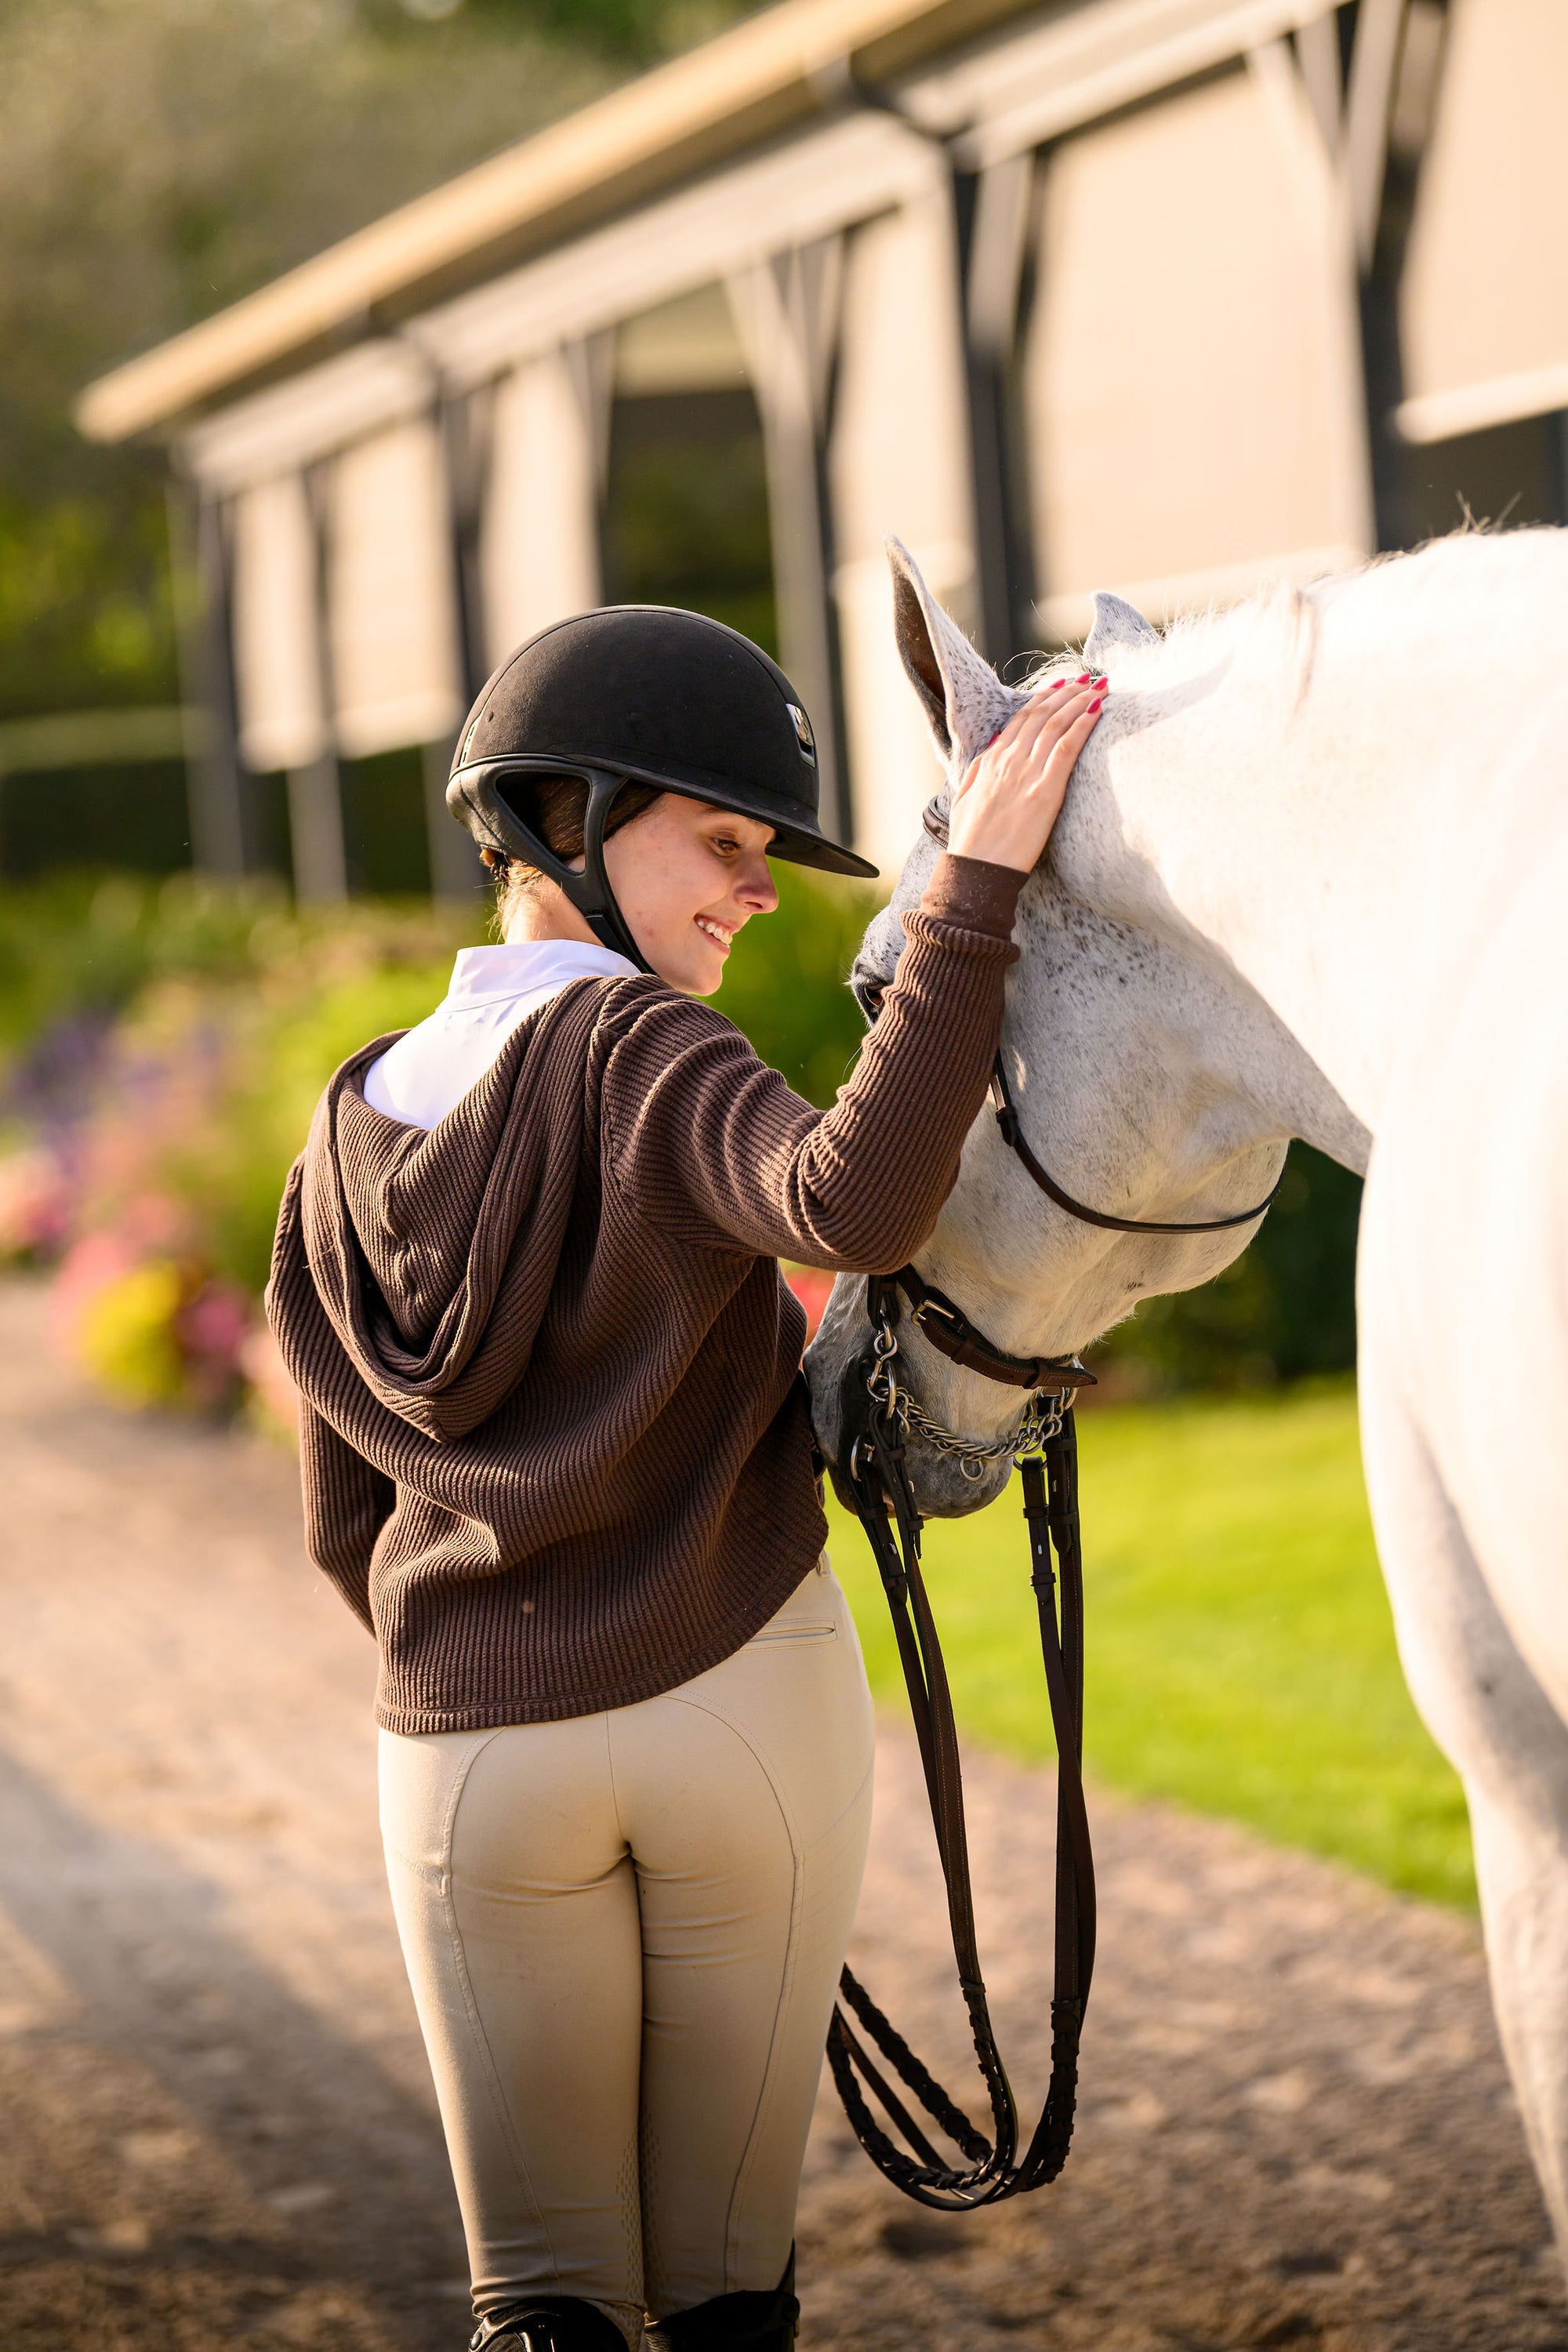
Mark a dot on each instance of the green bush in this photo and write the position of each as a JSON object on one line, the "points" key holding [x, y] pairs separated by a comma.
{"points": [[201, 1023], [77, 948], [188, 1029]]}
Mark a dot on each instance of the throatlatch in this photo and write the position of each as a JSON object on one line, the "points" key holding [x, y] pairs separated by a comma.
{"points": [[1046, 1449]]}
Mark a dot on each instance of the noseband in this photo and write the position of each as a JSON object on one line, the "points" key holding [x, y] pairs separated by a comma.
{"points": [[1052, 1381]]}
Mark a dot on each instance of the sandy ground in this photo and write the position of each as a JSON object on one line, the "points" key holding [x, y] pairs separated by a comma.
{"points": [[218, 2127]]}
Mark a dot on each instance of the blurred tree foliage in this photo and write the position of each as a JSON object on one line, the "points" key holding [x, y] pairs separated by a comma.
{"points": [[641, 30], [161, 158]]}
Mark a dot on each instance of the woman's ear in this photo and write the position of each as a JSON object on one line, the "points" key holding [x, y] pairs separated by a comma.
{"points": [[964, 701]]}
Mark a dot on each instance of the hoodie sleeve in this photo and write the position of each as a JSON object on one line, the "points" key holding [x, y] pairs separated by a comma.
{"points": [[347, 1500], [708, 1141], [347, 1503]]}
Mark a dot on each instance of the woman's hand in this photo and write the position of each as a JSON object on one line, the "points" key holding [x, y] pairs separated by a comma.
{"points": [[1011, 796]]}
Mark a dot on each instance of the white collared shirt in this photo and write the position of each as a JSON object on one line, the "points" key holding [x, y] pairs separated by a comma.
{"points": [[428, 1073]]}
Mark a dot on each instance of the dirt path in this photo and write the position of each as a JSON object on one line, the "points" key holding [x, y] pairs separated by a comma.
{"points": [[218, 2125]]}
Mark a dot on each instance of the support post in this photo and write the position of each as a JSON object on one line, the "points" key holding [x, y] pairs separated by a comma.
{"points": [[1368, 103], [202, 554], [787, 311], [315, 789], [991, 209], [457, 871], [465, 424], [1379, 181], [316, 830]]}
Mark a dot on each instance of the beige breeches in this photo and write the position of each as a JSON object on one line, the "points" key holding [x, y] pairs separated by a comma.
{"points": [[623, 1933]]}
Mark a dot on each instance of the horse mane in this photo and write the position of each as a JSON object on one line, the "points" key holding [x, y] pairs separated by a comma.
{"points": [[1469, 589]]}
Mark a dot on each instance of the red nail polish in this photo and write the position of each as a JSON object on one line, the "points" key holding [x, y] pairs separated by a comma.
{"points": [[1058, 686], [1096, 706], [1084, 678]]}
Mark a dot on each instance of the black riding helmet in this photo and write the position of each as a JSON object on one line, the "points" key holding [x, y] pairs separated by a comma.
{"points": [[639, 694]]}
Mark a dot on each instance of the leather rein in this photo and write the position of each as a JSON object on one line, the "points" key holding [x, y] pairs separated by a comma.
{"points": [[879, 1417], [877, 1479]]}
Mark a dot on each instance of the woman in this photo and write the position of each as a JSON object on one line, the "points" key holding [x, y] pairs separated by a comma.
{"points": [[556, 1455]]}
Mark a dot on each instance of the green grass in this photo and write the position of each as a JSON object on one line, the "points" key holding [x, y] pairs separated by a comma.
{"points": [[1240, 1653]]}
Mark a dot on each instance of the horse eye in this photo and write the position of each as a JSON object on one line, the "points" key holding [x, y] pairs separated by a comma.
{"points": [[869, 991]]}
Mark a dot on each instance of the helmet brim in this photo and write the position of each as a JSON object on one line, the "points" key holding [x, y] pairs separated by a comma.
{"points": [[800, 843]]}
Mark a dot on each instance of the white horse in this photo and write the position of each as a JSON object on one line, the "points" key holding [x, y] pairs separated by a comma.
{"points": [[1312, 879]]}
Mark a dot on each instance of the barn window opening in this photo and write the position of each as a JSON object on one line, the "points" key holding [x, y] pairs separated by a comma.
{"points": [[1506, 477], [686, 506]]}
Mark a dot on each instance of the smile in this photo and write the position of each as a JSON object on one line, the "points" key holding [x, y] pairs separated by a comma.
{"points": [[714, 930]]}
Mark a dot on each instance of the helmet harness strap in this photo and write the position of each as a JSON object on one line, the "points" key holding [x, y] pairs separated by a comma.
{"points": [[589, 892]]}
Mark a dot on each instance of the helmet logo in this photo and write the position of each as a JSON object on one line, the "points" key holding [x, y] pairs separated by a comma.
{"points": [[803, 734]]}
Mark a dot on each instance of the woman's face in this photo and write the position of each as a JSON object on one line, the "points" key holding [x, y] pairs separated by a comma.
{"points": [[687, 876]]}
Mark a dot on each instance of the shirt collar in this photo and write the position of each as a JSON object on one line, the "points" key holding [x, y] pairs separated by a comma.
{"points": [[483, 975]]}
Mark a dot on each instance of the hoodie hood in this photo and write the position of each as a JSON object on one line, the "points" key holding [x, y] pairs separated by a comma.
{"points": [[433, 1253]]}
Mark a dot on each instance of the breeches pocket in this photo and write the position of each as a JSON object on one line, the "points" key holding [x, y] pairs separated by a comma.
{"points": [[812, 1613]]}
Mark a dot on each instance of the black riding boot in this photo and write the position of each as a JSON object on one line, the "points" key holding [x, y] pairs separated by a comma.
{"points": [[549, 2322], [754, 2322]]}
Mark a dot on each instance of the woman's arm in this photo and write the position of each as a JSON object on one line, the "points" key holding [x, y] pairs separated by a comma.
{"points": [[713, 1143]]}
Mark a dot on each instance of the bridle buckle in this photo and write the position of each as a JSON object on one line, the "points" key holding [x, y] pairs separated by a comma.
{"points": [[929, 1307]]}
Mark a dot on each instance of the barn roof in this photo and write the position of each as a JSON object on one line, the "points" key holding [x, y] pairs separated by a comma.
{"points": [[758, 80]]}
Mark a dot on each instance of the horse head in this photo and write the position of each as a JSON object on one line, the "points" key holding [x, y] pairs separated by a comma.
{"points": [[1127, 1053]]}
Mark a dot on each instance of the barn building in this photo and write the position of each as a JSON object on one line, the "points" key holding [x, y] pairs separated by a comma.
{"points": [[1160, 294]]}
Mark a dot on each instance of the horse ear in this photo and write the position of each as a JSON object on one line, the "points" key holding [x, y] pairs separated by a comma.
{"points": [[1116, 623], [964, 699]]}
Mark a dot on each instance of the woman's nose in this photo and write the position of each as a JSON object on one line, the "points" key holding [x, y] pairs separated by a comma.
{"points": [[758, 889]]}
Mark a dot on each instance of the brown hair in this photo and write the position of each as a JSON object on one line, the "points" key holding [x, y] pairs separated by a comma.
{"points": [[553, 806]]}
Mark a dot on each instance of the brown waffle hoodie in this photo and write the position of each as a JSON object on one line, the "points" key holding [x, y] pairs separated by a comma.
{"points": [[555, 1445]]}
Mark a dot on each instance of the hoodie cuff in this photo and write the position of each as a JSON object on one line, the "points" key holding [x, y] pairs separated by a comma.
{"points": [[974, 894]]}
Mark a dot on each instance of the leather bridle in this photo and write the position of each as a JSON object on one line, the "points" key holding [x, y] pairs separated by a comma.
{"points": [[1012, 1136], [877, 1416]]}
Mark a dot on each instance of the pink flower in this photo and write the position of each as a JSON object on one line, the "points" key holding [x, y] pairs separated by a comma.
{"points": [[95, 1261], [215, 1323], [813, 1288], [35, 1204], [277, 1398]]}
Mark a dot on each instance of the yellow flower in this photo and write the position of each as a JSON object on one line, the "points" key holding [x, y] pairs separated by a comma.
{"points": [[126, 1339]]}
